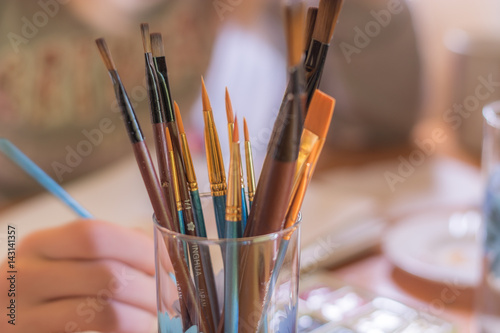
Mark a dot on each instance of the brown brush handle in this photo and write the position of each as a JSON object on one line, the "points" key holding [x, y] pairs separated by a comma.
{"points": [[190, 309], [163, 169]]}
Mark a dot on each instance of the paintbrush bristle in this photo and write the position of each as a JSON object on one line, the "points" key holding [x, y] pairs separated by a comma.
{"points": [[146, 39], [245, 129], [312, 14], [157, 45], [294, 30], [236, 132], [320, 114], [105, 54], [169, 140], [178, 117], [204, 97], [229, 109], [328, 14]]}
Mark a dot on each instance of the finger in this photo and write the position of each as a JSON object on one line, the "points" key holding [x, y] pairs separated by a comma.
{"points": [[49, 280], [91, 239], [87, 314]]}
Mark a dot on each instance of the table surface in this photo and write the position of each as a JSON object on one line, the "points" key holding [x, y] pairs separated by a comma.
{"points": [[373, 272]]}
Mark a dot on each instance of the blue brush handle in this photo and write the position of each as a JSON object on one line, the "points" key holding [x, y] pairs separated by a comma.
{"points": [[220, 214], [231, 299], [41, 177], [198, 213], [244, 211]]}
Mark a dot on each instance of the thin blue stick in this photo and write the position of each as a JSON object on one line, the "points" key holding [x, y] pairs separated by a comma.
{"points": [[18, 157], [244, 211], [231, 299]]}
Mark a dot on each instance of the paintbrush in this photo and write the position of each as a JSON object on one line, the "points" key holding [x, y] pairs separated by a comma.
{"points": [[274, 183], [250, 166], [190, 309], [215, 163], [161, 71], [158, 121], [23, 161], [316, 126], [233, 230], [195, 252], [230, 127], [324, 27], [312, 14], [190, 175]]}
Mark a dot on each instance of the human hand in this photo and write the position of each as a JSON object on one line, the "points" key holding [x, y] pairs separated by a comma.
{"points": [[86, 275]]}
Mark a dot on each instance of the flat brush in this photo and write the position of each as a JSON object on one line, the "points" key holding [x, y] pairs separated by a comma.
{"points": [[158, 122], [250, 165], [190, 309], [231, 126], [215, 164], [316, 125], [328, 13]]}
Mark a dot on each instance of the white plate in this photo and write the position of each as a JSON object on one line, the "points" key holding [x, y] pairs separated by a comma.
{"points": [[437, 246]]}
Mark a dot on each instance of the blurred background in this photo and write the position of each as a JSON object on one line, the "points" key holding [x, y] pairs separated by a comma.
{"points": [[414, 65]]}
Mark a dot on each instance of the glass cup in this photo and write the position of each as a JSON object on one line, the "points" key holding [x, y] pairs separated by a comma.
{"points": [[233, 285], [488, 304]]}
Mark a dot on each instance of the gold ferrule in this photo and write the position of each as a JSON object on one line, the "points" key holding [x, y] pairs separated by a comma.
{"points": [[233, 214], [218, 189], [175, 180], [250, 170], [230, 131], [234, 200], [188, 161], [307, 142], [216, 172]]}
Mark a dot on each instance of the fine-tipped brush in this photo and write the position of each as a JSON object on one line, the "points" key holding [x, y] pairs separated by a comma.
{"points": [[190, 175], [230, 126], [326, 21], [195, 252], [158, 122], [190, 309], [215, 164], [199, 219], [250, 166], [233, 230]]}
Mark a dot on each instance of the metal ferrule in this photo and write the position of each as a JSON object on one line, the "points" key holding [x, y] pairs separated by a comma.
{"points": [[175, 180], [216, 172], [234, 200], [250, 170], [307, 143], [188, 162]]}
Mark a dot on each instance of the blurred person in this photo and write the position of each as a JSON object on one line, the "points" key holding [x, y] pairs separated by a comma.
{"points": [[68, 93]]}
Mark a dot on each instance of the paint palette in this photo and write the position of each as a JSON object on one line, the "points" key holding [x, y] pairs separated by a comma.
{"points": [[328, 306]]}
